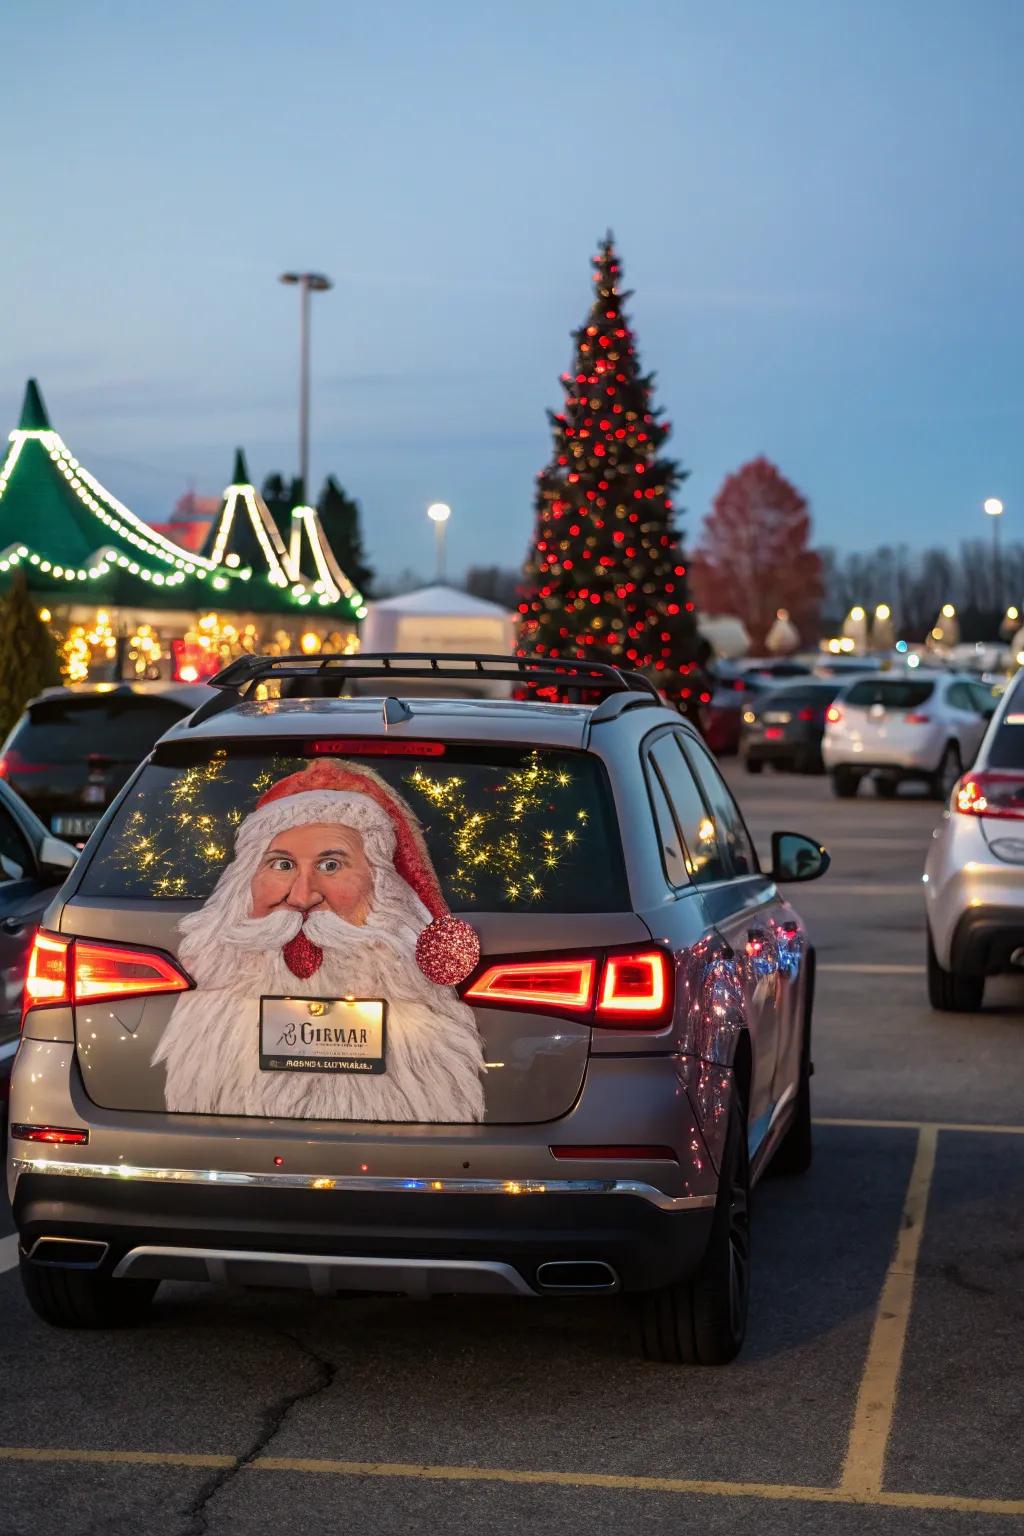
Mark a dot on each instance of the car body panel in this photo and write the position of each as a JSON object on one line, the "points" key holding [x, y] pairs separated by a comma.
{"points": [[882, 735]]}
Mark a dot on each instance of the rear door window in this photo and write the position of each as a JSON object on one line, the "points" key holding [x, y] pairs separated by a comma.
{"points": [[696, 825], [889, 693], [507, 828], [733, 836], [69, 729]]}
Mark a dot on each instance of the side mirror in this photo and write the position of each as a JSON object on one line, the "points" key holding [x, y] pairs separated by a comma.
{"points": [[795, 857], [56, 859]]}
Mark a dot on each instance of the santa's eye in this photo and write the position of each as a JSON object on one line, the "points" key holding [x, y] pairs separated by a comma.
{"points": [[280, 863], [329, 866]]}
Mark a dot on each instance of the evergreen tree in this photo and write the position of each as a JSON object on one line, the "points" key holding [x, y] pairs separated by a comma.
{"points": [[281, 496], [339, 517], [606, 580], [28, 655]]}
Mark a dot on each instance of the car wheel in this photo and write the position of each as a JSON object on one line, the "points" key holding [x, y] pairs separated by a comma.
{"points": [[952, 991], [81, 1298], [845, 783], [703, 1321], [886, 788], [947, 773], [755, 765]]}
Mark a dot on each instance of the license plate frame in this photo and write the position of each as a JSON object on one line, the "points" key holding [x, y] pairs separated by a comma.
{"points": [[75, 824], [361, 1022]]}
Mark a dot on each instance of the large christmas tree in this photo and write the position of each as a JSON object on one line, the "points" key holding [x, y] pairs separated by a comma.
{"points": [[605, 579]]}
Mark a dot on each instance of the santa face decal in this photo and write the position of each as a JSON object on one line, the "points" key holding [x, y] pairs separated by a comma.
{"points": [[331, 897]]}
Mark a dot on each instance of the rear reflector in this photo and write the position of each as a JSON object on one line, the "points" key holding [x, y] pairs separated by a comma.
{"points": [[537, 983], [996, 796], [614, 1154], [915, 717], [61, 1135], [633, 991], [62, 971], [367, 746]]}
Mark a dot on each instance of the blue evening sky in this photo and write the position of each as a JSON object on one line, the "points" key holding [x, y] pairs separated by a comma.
{"points": [[818, 204]]}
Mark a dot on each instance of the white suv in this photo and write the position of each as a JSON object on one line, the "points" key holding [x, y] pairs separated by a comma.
{"points": [[923, 725]]}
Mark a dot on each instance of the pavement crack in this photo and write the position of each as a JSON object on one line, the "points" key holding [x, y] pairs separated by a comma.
{"points": [[273, 1417]]}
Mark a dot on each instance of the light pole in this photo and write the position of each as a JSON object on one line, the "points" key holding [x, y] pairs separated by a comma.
{"points": [[308, 282], [439, 512], [994, 508]]}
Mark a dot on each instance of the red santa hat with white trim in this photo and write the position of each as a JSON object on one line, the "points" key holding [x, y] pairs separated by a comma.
{"points": [[448, 949]]}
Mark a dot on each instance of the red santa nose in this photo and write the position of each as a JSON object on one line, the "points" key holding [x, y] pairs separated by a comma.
{"points": [[448, 949]]}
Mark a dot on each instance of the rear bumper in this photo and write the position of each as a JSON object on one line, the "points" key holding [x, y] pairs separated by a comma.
{"points": [[910, 764], [985, 938], [419, 1241]]}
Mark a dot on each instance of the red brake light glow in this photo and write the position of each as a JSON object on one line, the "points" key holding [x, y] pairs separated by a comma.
{"points": [[916, 717], [999, 796], [833, 714], [634, 984], [368, 746], [62, 971], [530, 983], [807, 714], [65, 1136]]}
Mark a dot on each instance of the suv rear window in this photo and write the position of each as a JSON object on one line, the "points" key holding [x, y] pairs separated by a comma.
{"points": [[890, 693], [507, 828], [66, 730], [816, 695]]}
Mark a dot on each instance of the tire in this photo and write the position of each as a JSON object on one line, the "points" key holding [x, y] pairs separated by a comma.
{"points": [[845, 783], [946, 774], [755, 765], [703, 1321], [886, 789], [81, 1298], [952, 991]]}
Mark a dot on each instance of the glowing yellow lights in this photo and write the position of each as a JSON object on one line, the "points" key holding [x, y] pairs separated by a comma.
{"points": [[857, 614], [1013, 613], [749, 717], [883, 612], [45, 615], [993, 506], [309, 643], [948, 611], [706, 830]]}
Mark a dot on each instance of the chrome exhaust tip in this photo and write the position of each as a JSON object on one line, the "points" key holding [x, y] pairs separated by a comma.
{"points": [[1017, 957], [577, 1275], [68, 1252]]}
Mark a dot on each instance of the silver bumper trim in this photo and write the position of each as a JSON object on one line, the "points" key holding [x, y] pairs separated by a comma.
{"points": [[366, 1183], [325, 1274]]}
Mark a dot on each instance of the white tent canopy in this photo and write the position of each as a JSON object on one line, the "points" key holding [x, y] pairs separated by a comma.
{"points": [[442, 621]]}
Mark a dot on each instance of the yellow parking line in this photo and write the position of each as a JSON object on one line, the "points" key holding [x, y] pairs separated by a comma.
{"points": [[876, 1400], [775, 1492], [968, 1127]]}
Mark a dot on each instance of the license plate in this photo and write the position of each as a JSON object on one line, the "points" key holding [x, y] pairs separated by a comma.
{"points": [[74, 826], [778, 717], [322, 1034]]}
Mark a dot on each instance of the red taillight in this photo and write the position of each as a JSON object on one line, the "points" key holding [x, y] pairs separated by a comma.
{"points": [[62, 971], [999, 796], [915, 717], [48, 978], [633, 990], [60, 1134], [773, 733], [808, 714], [537, 983], [364, 746], [13, 762], [833, 714], [614, 1154]]}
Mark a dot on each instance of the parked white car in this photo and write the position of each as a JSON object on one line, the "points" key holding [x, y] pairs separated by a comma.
{"points": [[907, 726], [974, 874]]}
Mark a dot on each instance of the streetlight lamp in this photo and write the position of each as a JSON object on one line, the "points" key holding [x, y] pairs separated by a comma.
{"points": [[307, 282], [439, 512], [994, 508]]}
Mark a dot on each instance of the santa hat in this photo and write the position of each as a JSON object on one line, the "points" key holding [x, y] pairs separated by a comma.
{"points": [[448, 948]]}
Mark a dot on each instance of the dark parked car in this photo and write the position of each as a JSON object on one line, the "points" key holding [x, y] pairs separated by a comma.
{"points": [[785, 727], [32, 865], [73, 748], [720, 717]]}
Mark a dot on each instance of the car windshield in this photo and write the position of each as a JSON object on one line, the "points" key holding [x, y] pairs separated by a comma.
{"points": [[890, 693], [507, 828], [121, 727]]}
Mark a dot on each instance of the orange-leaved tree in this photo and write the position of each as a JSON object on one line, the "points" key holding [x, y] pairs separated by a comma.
{"points": [[754, 554]]}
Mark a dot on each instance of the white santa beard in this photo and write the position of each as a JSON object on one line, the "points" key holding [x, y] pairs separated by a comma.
{"points": [[433, 1055]]}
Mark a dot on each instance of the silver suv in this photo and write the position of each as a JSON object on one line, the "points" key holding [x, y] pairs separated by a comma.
{"points": [[260, 1047]]}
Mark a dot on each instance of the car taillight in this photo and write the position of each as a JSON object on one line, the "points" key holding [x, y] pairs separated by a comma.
{"points": [[363, 746], [999, 796], [13, 762], [633, 990], [833, 714], [916, 717], [63, 971], [48, 978], [59, 1135], [554, 984], [808, 714]]}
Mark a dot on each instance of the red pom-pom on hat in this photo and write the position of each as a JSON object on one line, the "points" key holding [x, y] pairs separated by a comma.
{"points": [[448, 949]]}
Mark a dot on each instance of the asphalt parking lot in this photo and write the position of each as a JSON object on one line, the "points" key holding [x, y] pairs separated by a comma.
{"points": [[882, 1376]]}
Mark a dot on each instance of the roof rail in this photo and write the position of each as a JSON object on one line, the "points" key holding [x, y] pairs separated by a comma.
{"points": [[242, 675]]}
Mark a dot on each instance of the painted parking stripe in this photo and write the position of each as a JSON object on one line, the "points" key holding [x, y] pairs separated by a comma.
{"points": [[968, 1127], [426, 1472], [868, 968], [864, 1467], [8, 1252]]}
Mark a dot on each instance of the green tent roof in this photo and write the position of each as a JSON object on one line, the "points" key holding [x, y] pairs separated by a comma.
{"points": [[78, 543]]}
